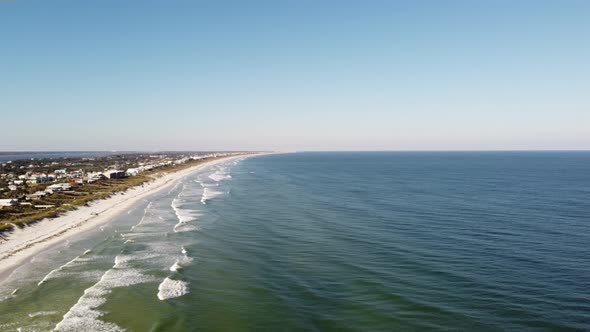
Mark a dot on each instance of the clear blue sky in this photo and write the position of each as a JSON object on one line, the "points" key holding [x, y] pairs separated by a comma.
{"points": [[294, 75]]}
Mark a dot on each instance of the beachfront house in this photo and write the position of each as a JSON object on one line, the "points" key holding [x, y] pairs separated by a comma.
{"points": [[54, 188], [95, 176], [180, 161], [76, 174], [114, 174], [58, 187], [133, 172], [36, 195], [39, 178], [39, 194], [8, 202]]}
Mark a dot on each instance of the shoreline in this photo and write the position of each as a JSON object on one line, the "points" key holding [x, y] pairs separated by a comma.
{"points": [[21, 244]]}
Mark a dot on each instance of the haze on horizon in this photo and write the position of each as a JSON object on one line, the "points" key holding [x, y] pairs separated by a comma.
{"points": [[294, 75]]}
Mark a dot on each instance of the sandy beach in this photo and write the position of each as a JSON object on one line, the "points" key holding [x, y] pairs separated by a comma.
{"points": [[21, 244]]}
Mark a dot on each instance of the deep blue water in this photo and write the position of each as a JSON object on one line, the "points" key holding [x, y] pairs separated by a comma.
{"points": [[407, 241]]}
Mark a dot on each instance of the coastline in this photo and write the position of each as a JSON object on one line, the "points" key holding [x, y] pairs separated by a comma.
{"points": [[22, 244]]}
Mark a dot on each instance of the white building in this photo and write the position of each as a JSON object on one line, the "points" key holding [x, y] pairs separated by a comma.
{"points": [[133, 172], [59, 187], [95, 176], [8, 202]]}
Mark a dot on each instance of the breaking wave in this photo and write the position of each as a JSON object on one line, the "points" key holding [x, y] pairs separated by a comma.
{"points": [[84, 315], [55, 273], [219, 176], [209, 194], [181, 262], [184, 216], [169, 289]]}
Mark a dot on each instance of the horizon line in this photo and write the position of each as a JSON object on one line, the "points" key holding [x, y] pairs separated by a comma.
{"points": [[337, 150]]}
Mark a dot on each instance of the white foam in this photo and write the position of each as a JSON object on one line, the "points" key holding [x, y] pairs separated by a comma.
{"points": [[183, 227], [209, 194], [121, 261], [169, 289], [186, 259], [43, 313], [84, 315], [145, 211], [205, 185], [181, 262], [176, 266], [55, 272], [219, 176], [184, 216]]}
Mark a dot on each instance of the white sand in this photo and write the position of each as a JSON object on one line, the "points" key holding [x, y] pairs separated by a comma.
{"points": [[24, 243]]}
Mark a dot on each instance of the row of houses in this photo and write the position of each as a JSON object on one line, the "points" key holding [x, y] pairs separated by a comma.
{"points": [[8, 202], [81, 177]]}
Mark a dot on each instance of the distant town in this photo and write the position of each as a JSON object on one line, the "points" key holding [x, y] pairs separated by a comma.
{"points": [[34, 189]]}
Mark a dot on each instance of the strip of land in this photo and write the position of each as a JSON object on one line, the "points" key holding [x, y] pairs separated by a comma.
{"points": [[36, 189], [22, 243]]}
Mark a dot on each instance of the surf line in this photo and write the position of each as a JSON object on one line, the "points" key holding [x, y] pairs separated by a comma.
{"points": [[52, 272]]}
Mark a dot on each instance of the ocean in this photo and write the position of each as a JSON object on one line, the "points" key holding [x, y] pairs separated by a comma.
{"points": [[375, 241]]}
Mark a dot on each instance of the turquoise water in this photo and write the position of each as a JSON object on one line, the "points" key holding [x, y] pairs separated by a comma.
{"points": [[330, 242]]}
